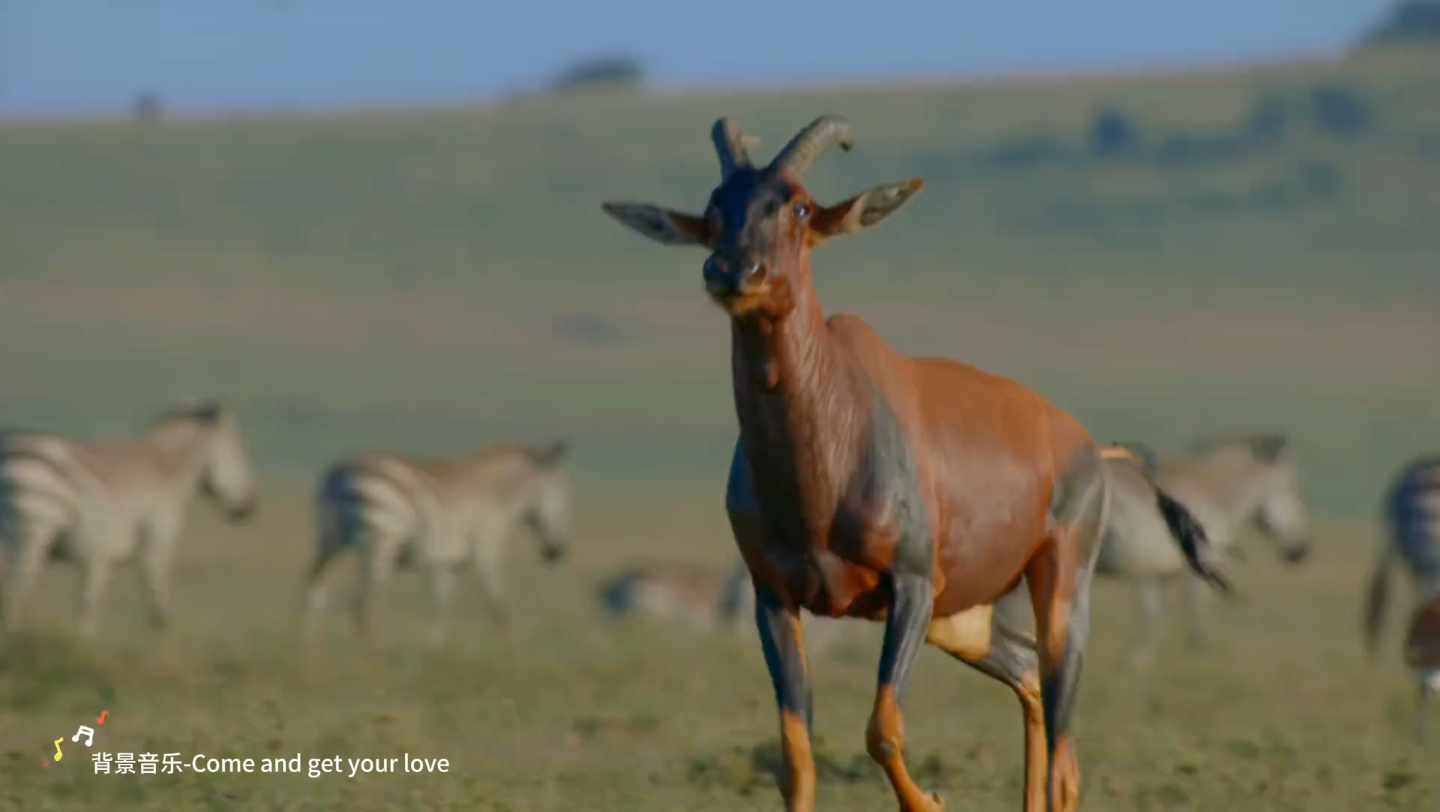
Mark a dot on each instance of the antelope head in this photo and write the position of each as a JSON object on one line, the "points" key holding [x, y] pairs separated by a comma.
{"points": [[761, 223]]}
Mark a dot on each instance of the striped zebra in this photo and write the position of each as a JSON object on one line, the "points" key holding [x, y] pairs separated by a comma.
{"points": [[1412, 542], [398, 512], [1228, 481], [105, 502], [702, 599]]}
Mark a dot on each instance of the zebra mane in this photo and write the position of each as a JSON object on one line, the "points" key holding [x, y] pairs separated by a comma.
{"points": [[550, 455], [206, 410], [1266, 447]]}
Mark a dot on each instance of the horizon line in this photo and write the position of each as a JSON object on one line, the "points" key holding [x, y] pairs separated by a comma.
{"points": [[1142, 70]]}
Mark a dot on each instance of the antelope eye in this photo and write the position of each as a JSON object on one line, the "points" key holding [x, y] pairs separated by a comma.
{"points": [[801, 210]]}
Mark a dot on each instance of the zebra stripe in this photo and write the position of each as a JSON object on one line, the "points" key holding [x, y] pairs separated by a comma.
{"points": [[1414, 509], [396, 511]]}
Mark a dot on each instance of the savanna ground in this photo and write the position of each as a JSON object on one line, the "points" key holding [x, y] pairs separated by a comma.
{"points": [[434, 281]]}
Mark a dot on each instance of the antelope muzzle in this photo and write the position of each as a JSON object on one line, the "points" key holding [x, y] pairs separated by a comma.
{"points": [[727, 279]]}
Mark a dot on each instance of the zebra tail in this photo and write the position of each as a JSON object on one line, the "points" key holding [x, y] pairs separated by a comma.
{"points": [[1193, 542]]}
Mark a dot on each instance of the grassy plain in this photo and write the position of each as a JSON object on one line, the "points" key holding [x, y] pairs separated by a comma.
{"points": [[432, 281]]}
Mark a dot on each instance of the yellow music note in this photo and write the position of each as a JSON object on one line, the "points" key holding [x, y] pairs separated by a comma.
{"points": [[59, 755]]}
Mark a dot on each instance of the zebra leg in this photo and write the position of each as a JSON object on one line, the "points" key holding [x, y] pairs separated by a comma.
{"points": [[1198, 589], [442, 588], [30, 552], [490, 575], [94, 580], [154, 577], [155, 580], [319, 582], [1151, 592], [377, 564]]}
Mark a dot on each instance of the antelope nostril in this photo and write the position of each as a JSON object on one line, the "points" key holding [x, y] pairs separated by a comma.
{"points": [[714, 272]]}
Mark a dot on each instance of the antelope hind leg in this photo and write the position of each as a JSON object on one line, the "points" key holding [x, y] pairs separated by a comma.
{"points": [[1060, 594], [988, 641]]}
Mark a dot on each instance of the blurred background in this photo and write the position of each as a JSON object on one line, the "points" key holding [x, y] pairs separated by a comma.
{"points": [[377, 225]]}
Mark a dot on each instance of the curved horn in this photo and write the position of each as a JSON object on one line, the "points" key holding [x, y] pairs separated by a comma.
{"points": [[730, 146], [806, 146]]}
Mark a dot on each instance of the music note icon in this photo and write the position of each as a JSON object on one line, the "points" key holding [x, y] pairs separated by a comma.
{"points": [[87, 733]]}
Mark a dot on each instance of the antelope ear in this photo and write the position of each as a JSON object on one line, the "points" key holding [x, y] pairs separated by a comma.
{"points": [[863, 210], [661, 225]]}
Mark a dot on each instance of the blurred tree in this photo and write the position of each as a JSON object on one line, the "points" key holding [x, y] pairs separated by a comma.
{"points": [[601, 73], [1339, 110], [1267, 117], [1112, 132], [147, 107]]}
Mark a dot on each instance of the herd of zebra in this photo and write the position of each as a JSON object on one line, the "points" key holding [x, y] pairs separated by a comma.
{"points": [[97, 504], [101, 503]]}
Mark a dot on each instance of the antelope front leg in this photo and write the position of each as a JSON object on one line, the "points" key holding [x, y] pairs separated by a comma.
{"points": [[780, 639], [905, 629]]}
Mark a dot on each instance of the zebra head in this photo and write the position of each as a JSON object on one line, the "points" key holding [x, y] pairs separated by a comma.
{"points": [[547, 512], [226, 477], [1260, 470], [1281, 514]]}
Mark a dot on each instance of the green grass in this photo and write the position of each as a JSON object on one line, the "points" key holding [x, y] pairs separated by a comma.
{"points": [[1281, 713], [434, 281]]}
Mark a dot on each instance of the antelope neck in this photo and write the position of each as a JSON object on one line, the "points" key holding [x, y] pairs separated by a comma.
{"points": [[795, 397]]}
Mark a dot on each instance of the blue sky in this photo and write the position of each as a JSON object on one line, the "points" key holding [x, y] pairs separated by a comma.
{"points": [[75, 56]]}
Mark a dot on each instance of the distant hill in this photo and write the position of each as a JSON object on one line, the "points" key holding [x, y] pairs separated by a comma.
{"points": [[1407, 23], [1161, 253]]}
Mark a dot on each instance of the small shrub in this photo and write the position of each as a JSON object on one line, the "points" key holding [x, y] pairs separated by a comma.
{"points": [[1112, 132], [1340, 111]]}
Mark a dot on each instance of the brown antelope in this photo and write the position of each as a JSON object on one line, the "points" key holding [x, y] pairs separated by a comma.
{"points": [[917, 491]]}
